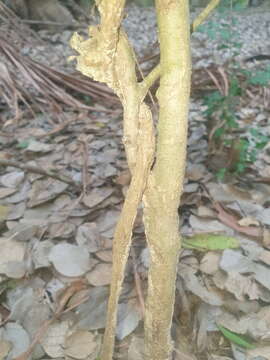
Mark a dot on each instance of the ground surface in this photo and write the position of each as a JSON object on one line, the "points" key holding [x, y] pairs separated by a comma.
{"points": [[56, 241]]}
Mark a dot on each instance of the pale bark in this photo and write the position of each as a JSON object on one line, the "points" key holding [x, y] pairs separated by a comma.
{"points": [[107, 57], [162, 196]]}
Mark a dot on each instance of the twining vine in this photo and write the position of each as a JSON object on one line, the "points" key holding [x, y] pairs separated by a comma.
{"points": [[107, 56]]}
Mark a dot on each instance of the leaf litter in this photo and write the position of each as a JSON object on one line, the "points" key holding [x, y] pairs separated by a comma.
{"points": [[58, 210]]}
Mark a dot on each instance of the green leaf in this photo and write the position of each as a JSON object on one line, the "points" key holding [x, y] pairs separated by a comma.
{"points": [[225, 34], [235, 338], [221, 173], [206, 242], [235, 88], [219, 132], [223, 46], [261, 78], [3, 212], [240, 167], [23, 144]]}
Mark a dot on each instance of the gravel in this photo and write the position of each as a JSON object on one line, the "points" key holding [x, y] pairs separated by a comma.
{"points": [[251, 29]]}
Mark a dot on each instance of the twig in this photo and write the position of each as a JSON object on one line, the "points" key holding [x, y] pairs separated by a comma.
{"points": [[61, 126], [39, 334], [52, 23], [215, 81], [204, 14], [225, 80], [37, 170], [85, 174], [59, 311], [9, 17], [155, 72]]}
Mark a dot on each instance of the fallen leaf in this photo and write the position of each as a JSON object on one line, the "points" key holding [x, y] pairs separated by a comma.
{"points": [[62, 230], [210, 263], [255, 325], [123, 178], [5, 347], [205, 242], [91, 315], [227, 193], [88, 236], [96, 196], [23, 232], [106, 223], [12, 179], [233, 260], [81, 344], [241, 286], [69, 260], [248, 221], [16, 211], [128, 318], [11, 251], [195, 172], [199, 225], [238, 352], [237, 307], [206, 319], [36, 146], [259, 353], [266, 238], [264, 216], [45, 190], [194, 285], [20, 195], [54, 339], [4, 192], [105, 255], [204, 211], [100, 275], [232, 222], [40, 253], [265, 257], [18, 337], [4, 210], [218, 357], [15, 269], [236, 338]]}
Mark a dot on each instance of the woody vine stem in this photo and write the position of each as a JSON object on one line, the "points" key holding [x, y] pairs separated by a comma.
{"points": [[107, 56]]}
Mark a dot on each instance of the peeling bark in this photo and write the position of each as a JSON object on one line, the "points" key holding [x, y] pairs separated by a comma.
{"points": [[108, 57]]}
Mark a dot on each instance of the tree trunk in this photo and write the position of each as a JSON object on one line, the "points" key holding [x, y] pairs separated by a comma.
{"points": [[162, 197]]}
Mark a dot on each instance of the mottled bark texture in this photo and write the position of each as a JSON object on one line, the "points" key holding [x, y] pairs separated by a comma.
{"points": [[162, 196], [107, 56]]}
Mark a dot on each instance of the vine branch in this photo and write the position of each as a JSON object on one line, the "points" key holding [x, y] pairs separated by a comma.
{"points": [[154, 74]]}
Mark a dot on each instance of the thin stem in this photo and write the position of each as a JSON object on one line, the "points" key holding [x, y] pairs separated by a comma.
{"points": [[37, 170], [155, 72]]}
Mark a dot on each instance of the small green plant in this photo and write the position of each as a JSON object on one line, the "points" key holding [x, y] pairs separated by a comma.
{"points": [[245, 149], [261, 77], [222, 105], [235, 4]]}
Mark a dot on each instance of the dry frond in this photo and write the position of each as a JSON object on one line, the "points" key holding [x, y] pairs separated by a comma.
{"points": [[26, 81]]}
